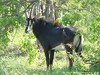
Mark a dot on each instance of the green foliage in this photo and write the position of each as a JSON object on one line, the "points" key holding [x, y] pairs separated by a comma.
{"points": [[19, 65], [26, 43], [29, 45], [70, 18], [83, 14], [12, 28], [10, 19]]}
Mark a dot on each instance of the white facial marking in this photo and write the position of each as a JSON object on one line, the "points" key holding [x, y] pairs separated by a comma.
{"points": [[33, 22], [29, 26], [29, 22]]}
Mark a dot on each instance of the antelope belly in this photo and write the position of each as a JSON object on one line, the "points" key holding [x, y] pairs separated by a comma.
{"points": [[59, 47]]}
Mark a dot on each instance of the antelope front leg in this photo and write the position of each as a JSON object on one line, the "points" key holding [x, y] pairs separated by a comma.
{"points": [[47, 58], [51, 59]]}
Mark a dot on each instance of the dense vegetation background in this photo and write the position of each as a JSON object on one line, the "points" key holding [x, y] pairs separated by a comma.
{"points": [[19, 53]]}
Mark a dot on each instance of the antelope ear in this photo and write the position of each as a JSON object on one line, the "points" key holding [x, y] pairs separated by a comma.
{"points": [[42, 17], [33, 17]]}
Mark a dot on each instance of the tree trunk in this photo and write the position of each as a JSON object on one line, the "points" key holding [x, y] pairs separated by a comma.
{"points": [[47, 11], [50, 11]]}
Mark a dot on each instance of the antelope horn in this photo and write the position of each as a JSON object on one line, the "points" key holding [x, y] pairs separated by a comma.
{"points": [[31, 12], [27, 14], [33, 7], [26, 10]]}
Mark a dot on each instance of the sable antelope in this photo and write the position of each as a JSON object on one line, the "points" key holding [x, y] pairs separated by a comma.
{"points": [[51, 36]]}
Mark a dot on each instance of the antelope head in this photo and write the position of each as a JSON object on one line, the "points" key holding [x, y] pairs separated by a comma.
{"points": [[29, 20]]}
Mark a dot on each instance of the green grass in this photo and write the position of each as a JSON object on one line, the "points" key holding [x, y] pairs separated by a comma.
{"points": [[18, 65]]}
